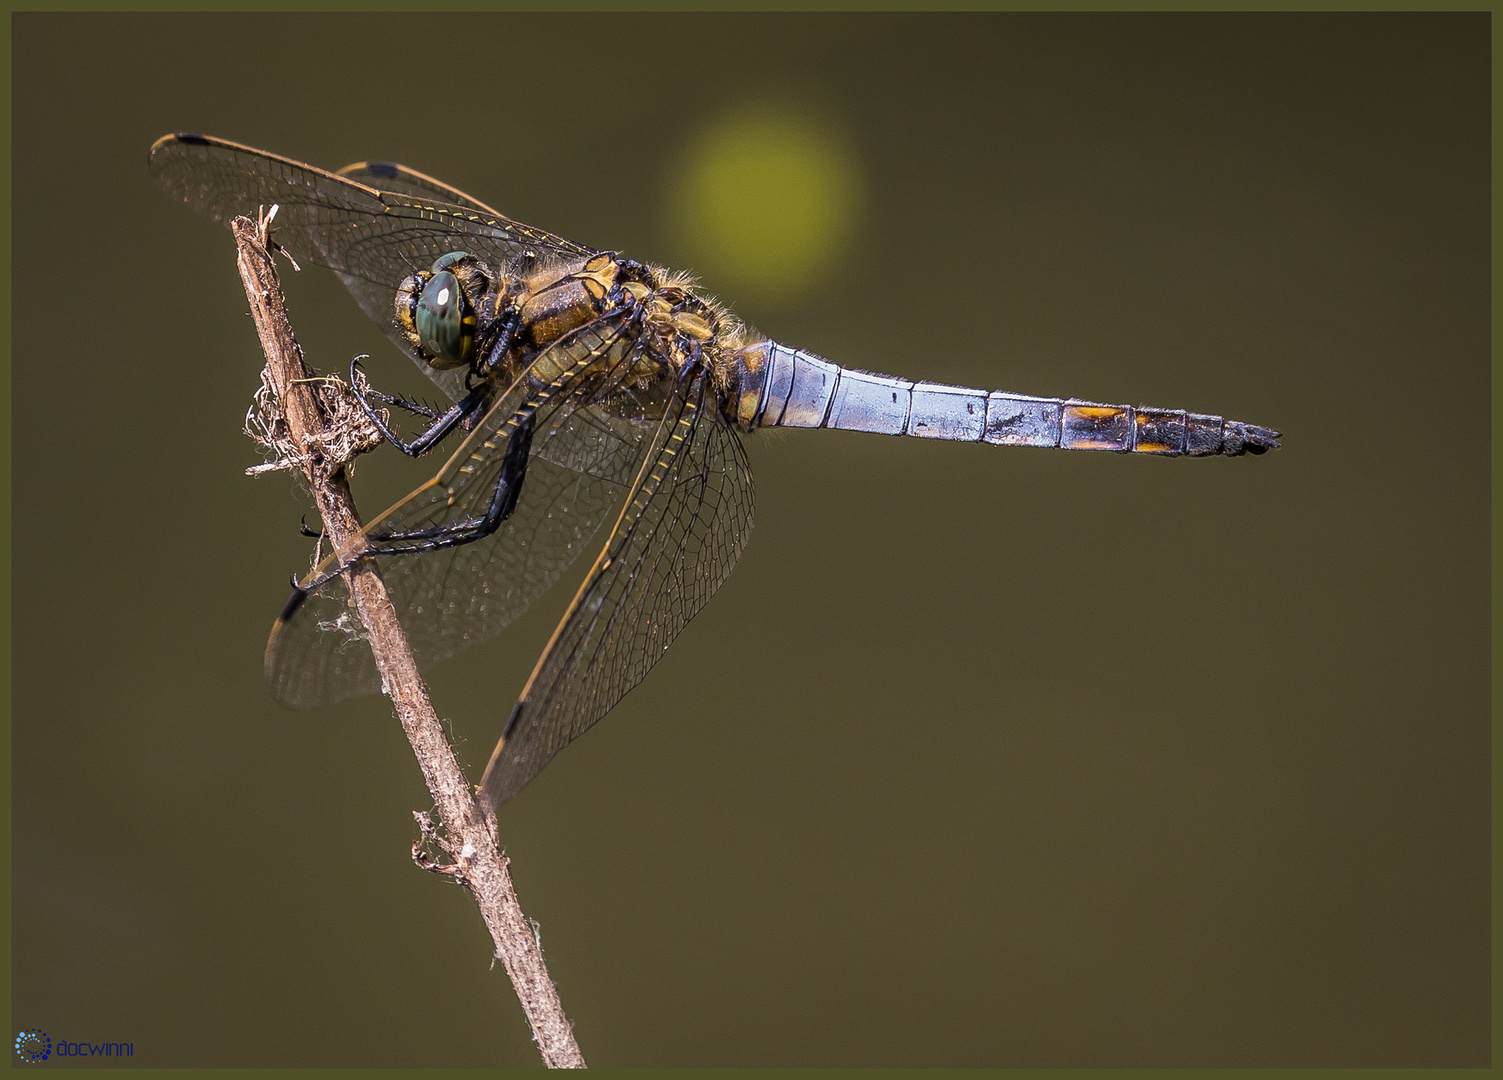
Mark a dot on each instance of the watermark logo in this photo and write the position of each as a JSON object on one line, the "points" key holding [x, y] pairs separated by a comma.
{"points": [[33, 1046]]}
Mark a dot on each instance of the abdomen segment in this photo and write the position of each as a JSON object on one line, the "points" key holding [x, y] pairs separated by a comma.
{"points": [[799, 389]]}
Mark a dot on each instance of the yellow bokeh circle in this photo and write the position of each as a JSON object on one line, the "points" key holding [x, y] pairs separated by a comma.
{"points": [[765, 201]]}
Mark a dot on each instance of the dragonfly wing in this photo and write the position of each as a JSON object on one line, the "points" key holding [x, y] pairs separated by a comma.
{"points": [[681, 531], [449, 599], [582, 462], [389, 176], [372, 238]]}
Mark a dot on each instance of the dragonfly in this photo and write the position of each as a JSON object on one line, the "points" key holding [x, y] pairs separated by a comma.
{"points": [[586, 391]]}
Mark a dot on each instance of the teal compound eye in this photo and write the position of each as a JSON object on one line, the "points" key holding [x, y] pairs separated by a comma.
{"points": [[445, 322]]}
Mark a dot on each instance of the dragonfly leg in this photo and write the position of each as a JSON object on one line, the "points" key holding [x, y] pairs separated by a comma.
{"points": [[510, 320], [504, 498], [503, 501], [417, 408], [460, 415]]}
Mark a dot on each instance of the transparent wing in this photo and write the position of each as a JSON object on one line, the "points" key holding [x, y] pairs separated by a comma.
{"points": [[589, 435], [389, 176], [682, 530], [372, 238]]}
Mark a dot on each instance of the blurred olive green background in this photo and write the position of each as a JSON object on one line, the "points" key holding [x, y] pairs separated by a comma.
{"points": [[983, 756]]}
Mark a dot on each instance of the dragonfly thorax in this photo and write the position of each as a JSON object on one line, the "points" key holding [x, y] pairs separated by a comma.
{"points": [[552, 302]]}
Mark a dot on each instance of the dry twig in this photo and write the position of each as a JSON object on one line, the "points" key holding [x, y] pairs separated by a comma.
{"points": [[321, 440]]}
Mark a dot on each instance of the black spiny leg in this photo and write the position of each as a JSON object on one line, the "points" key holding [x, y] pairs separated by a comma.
{"points": [[461, 415], [417, 408], [503, 501], [495, 355]]}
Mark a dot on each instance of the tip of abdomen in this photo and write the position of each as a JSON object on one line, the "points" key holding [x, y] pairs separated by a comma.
{"points": [[1238, 438]]}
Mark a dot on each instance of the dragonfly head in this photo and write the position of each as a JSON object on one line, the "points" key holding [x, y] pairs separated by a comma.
{"points": [[436, 309]]}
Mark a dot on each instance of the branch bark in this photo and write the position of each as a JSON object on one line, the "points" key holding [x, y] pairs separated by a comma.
{"points": [[468, 835]]}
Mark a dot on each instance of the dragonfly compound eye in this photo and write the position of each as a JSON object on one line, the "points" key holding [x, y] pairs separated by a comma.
{"points": [[445, 322]]}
